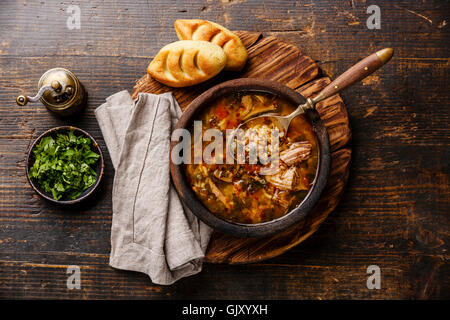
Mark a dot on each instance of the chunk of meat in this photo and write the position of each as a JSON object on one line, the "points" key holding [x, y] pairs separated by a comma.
{"points": [[223, 175], [283, 198], [260, 111], [287, 179], [297, 152], [220, 196], [270, 169], [247, 105], [255, 106]]}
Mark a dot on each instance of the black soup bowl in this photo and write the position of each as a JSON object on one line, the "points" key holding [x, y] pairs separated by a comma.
{"points": [[268, 228]]}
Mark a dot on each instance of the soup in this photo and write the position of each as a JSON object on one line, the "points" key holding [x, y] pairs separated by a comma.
{"points": [[243, 193]]}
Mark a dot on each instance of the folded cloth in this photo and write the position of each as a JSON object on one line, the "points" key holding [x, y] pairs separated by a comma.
{"points": [[151, 232]]}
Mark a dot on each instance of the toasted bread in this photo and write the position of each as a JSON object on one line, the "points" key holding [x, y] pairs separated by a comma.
{"points": [[197, 29], [186, 63]]}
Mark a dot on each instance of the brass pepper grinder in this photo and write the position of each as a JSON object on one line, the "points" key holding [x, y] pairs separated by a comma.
{"points": [[60, 91]]}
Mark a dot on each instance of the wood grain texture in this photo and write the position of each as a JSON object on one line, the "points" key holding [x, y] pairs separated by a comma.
{"points": [[270, 58], [393, 213], [224, 248]]}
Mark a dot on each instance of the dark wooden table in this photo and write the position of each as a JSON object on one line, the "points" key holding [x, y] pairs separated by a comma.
{"points": [[394, 213]]}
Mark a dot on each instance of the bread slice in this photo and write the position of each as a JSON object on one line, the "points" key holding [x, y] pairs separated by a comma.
{"points": [[188, 62], [196, 29]]}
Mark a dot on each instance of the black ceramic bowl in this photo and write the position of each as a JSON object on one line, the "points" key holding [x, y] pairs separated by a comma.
{"points": [[99, 166], [188, 196]]}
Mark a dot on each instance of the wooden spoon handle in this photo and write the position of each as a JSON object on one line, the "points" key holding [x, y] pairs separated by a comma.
{"points": [[356, 73]]}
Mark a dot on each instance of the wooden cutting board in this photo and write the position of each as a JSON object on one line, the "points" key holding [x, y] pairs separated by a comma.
{"points": [[271, 58]]}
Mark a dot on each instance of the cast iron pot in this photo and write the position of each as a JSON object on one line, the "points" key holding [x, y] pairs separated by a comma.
{"points": [[272, 227]]}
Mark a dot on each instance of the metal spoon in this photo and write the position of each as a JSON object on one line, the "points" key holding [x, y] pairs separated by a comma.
{"points": [[356, 73]]}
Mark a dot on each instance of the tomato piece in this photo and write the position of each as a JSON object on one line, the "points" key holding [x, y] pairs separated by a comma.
{"points": [[231, 124], [221, 112], [251, 167]]}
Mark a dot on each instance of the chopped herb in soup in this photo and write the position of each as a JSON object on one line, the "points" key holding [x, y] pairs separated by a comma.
{"points": [[239, 192]]}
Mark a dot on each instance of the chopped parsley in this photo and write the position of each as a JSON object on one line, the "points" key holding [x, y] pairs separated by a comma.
{"points": [[63, 165]]}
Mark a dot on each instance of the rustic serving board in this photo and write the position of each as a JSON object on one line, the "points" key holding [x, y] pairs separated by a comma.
{"points": [[271, 58]]}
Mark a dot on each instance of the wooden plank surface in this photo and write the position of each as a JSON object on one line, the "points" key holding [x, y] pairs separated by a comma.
{"points": [[272, 59], [394, 212]]}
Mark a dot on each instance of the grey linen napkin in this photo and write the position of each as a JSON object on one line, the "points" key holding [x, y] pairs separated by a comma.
{"points": [[150, 232]]}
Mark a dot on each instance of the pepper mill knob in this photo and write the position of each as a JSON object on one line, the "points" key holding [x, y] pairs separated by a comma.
{"points": [[22, 100], [56, 85]]}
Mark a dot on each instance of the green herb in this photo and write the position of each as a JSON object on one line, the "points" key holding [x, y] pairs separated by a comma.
{"points": [[62, 165]]}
